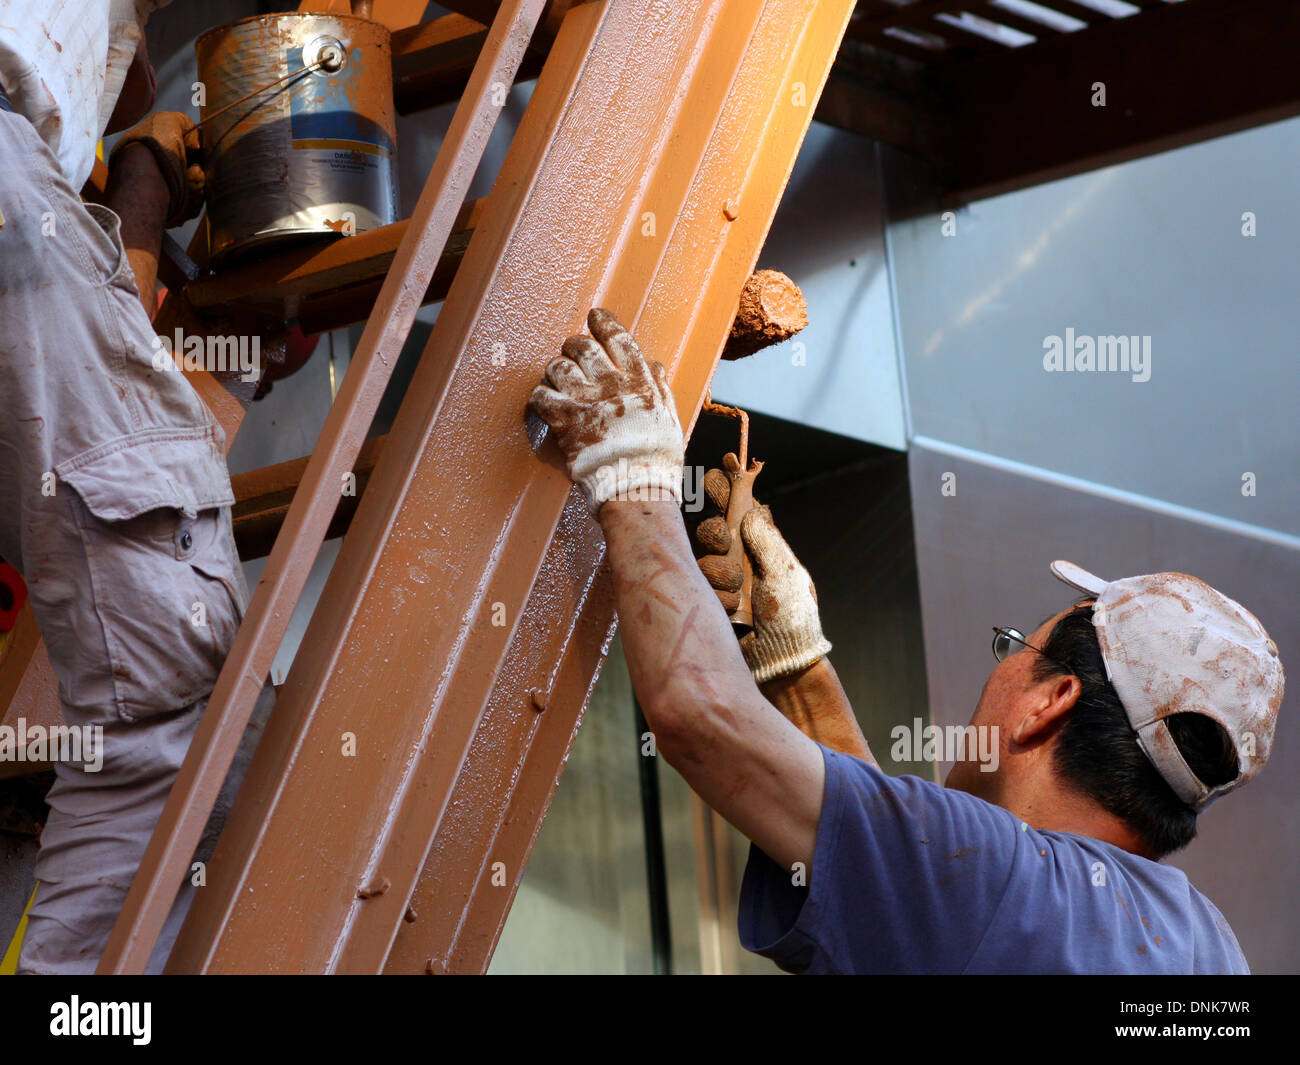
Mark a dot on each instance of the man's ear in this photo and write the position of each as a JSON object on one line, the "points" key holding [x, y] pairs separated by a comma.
{"points": [[1049, 701]]}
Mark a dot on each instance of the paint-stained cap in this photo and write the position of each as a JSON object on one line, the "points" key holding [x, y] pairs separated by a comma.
{"points": [[1174, 645]]}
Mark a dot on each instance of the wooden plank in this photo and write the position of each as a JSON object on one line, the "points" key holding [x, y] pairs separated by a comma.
{"points": [[28, 688], [287, 279]]}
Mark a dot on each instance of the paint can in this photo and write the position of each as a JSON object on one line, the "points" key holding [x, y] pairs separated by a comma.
{"points": [[301, 137]]}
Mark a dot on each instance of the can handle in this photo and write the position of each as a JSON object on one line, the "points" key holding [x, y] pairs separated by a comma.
{"points": [[317, 65]]}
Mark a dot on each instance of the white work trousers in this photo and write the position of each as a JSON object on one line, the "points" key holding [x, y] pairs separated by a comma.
{"points": [[115, 507]]}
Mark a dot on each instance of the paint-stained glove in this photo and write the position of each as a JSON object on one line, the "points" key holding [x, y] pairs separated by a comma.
{"points": [[171, 136], [724, 575], [787, 634], [613, 416]]}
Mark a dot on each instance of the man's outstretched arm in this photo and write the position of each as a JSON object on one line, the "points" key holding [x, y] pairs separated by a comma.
{"points": [[785, 648], [710, 721], [138, 194], [613, 417]]}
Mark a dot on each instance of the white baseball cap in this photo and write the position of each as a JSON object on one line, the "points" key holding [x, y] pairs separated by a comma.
{"points": [[1174, 645]]}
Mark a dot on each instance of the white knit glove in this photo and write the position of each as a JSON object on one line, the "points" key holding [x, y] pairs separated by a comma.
{"points": [[613, 416], [787, 635]]}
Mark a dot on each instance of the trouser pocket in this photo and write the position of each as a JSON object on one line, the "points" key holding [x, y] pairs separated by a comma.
{"points": [[166, 597]]}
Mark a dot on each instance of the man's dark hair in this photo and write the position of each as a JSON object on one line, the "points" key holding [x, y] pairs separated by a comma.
{"points": [[1097, 753]]}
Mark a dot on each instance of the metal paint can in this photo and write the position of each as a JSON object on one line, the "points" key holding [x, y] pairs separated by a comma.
{"points": [[311, 151]]}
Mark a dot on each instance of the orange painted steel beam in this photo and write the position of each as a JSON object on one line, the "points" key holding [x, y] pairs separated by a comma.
{"points": [[246, 668], [384, 860], [499, 800]]}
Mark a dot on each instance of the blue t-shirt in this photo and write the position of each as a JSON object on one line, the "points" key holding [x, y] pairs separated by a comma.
{"points": [[912, 877]]}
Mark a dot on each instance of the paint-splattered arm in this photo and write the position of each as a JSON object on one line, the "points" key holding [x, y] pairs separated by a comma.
{"points": [[710, 721], [155, 183], [615, 421]]}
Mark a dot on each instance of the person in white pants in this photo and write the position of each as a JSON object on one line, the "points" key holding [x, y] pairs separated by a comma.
{"points": [[116, 497]]}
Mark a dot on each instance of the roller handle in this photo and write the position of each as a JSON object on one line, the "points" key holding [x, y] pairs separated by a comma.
{"points": [[739, 503]]}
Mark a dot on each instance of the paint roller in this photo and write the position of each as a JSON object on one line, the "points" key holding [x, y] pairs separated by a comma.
{"points": [[771, 309]]}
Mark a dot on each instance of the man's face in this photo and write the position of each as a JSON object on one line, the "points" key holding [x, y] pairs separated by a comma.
{"points": [[1006, 697]]}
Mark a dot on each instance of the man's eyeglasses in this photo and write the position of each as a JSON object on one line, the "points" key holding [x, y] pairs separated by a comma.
{"points": [[1006, 639]]}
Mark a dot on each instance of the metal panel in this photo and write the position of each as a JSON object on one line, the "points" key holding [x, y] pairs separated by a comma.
{"points": [[841, 373], [1153, 249], [462, 725]]}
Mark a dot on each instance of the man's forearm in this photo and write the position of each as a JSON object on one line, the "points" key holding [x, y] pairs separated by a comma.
{"points": [[710, 721], [815, 702], [615, 422], [678, 642], [138, 194]]}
